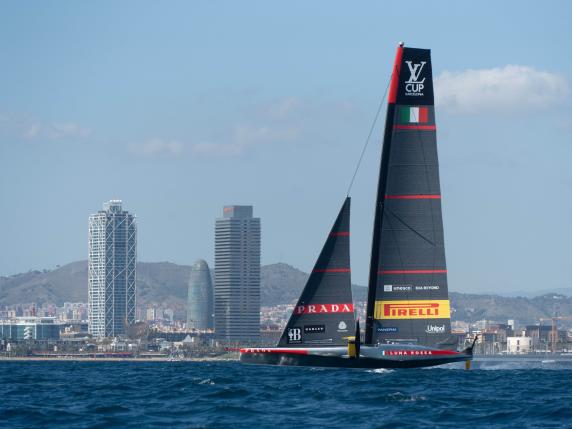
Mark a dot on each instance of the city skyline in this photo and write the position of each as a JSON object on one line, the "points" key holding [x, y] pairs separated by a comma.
{"points": [[241, 109]]}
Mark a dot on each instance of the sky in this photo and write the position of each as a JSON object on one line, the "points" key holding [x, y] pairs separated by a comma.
{"points": [[179, 108]]}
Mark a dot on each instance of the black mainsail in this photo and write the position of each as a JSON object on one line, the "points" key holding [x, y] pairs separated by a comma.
{"points": [[324, 314], [407, 296]]}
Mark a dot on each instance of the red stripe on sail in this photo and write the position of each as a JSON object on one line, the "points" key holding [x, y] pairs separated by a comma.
{"points": [[332, 270], [412, 272], [340, 234], [413, 197], [395, 76], [415, 127]]}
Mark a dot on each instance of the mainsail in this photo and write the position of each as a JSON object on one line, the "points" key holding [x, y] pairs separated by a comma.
{"points": [[324, 314], [407, 297]]}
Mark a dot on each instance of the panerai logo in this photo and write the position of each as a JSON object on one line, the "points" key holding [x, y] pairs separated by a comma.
{"points": [[414, 86], [435, 329]]}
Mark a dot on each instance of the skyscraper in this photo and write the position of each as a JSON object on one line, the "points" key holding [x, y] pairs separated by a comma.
{"points": [[200, 297], [111, 270], [237, 275]]}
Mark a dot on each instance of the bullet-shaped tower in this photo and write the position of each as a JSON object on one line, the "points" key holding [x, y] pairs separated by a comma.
{"points": [[200, 298]]}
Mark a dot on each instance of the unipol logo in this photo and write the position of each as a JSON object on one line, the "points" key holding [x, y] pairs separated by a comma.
{"points": [[414, 86], [435, 329], [294, 335]]}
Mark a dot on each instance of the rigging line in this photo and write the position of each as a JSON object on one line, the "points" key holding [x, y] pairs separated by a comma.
{"points": [[369, 134], [409, 227]]}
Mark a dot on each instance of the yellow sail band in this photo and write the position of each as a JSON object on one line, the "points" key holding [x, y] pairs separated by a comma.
{"points": [[426, 309]]}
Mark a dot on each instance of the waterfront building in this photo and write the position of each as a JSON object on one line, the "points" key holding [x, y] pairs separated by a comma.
{"points": [[112, 270], [30, 328], [200, 297], [519, 345], [237, 275]]}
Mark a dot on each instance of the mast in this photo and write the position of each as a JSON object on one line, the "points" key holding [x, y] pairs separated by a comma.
{"points": [[381, 184]]}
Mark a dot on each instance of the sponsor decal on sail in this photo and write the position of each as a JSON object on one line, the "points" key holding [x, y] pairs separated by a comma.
{"points": [[409, 288], [319, 342], [417, 352], [387, 329], [414, 85], [323, 308], [314, 329], [413, 115], [342, 327], [402, 288], [294, 335], [435, 329], [427, 309], [427, 287]]}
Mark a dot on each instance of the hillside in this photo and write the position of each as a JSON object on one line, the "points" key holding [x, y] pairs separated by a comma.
{"points": [[282, 284], [160, 283], [165, 284], [473, 307]]}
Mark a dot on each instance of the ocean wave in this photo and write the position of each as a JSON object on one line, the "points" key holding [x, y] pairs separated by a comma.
{"points": [[196, 394]]}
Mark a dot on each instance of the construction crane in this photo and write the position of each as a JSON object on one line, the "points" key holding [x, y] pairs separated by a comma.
{"points": [[554, 330]]}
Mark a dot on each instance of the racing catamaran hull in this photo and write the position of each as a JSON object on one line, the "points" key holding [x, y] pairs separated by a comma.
{"points": [[384, 356]]}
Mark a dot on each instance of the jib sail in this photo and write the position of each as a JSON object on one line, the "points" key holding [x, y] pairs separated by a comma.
{"points": [[324, 314], [407, 298]]}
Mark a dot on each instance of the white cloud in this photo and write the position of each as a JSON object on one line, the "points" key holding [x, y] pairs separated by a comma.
{"points": [[244, 137], [52, 131], [274, 122], [248, 135], [507, 89], [212, 149], [282, 108], [31, 131], [31, 128], [240, 139], [156, 146], [68, 130]]}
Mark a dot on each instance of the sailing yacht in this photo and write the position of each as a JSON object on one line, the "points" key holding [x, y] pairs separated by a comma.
{"points": [[408, 313]]}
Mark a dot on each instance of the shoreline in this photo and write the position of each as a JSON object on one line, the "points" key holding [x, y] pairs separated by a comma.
{"points": [[110, 359]]}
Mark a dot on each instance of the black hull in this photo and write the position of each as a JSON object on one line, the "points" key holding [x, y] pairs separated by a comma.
{"points": [[288, 359]]}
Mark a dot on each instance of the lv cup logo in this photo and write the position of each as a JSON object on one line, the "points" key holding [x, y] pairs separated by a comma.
{"points": [[414, 86]]}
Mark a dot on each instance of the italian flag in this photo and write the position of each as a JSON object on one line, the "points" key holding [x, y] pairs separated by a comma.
{"points": [[414, 115]]}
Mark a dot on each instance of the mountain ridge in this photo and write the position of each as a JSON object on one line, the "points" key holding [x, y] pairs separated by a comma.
{"points": [[165, 284]]}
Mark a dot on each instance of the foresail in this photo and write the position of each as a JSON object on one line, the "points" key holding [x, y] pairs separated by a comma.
{"points": [[324, 314], [408, 297]]}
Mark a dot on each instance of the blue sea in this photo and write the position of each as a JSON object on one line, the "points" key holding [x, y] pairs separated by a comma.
{"points": [[57, 394]]}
